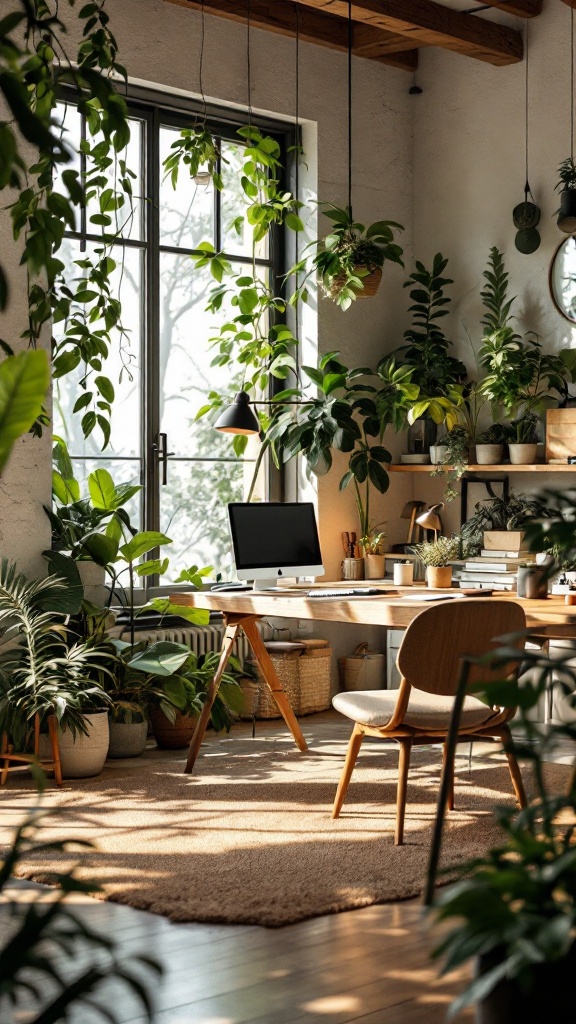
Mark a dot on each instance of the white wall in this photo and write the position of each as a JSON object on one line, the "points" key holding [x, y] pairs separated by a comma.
{"points": [[469, 138]]}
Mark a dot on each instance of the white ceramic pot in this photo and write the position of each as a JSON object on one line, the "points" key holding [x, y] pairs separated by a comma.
{"points": [[374, 567], [82, 756], [127, 739], [439, 577], [438, 454], [489, 454], [92, 577], [522, 454]]}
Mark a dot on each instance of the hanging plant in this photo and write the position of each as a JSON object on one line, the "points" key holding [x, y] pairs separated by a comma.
{"points": [[566, 186], [348, 261]]}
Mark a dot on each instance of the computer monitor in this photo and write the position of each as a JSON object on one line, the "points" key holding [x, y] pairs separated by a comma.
{"points": [[273, 540]]}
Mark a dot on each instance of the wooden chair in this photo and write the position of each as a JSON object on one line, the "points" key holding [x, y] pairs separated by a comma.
{"points": [[7, 753], [419, 711]]}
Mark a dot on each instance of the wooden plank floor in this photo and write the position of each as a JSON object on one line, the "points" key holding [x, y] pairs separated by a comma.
{"points": [[369, 966]]}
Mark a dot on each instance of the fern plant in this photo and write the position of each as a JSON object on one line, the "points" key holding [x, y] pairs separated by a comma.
{"points": [[43, 674], [50, 960]]}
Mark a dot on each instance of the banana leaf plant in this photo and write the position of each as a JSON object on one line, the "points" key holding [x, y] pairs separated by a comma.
{"points": [[347, 416]]}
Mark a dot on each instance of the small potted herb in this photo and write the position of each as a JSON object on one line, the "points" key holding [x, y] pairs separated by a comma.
{"points": [[374, 558], [490, 445], [436, 556], [567, 188], [349, 260]]}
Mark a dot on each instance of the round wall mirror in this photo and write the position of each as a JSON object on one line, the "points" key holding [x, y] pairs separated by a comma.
{"points": [[563, 278]]}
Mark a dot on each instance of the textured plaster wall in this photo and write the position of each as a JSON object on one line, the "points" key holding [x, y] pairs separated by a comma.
{"points": [[469, 144]]}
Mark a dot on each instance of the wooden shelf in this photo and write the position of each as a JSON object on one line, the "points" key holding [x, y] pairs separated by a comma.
{"points": [[539, 467]]}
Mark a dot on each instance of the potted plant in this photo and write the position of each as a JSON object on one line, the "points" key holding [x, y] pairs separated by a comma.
{"points": [[348, 261], [490, 445], [427, 351], [46, 673], [522, 437], [567, 188], [187, 690], [374, 558], [436, 556], [502, 516]]}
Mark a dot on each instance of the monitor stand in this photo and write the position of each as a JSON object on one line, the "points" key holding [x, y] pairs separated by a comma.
{"points": [[271, 584]]}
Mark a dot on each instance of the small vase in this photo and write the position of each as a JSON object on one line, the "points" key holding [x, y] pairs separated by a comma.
{"points": [[438, 454], [522, 454], [489, 454], [439, 577], [374, 567], [352, 568]]}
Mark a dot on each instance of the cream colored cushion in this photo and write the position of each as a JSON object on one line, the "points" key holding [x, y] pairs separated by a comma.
{"points": [[425, 710]]}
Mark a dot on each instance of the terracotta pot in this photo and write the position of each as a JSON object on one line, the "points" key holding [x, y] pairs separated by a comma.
{"points": [[439, 577], [371, 283], [82, 757], [172, 735], [522, 454], [489, 454], [374, 567]]}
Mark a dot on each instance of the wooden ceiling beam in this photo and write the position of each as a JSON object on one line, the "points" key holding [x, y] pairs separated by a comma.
{"points": [[314, 27], [425, 22], [521, 8], [570, 3]]}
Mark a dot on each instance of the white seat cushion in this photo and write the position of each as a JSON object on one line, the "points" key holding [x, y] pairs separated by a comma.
{"points": [[425, 710]]}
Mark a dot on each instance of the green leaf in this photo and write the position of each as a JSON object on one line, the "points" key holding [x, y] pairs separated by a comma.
{"points": [[153, 566], [102, 549], [102, 490], [66, 600], [161, 659], [142, 543], [24, 381], [64, 490]]}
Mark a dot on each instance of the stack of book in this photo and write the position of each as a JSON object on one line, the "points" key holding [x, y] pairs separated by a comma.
{"points": [[493, 570]]}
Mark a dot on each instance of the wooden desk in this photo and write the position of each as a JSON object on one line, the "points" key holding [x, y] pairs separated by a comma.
{"points": [[545, 618]]}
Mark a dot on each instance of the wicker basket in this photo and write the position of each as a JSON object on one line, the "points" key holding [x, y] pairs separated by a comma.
{"points": [[305, 678], [315, 682]]}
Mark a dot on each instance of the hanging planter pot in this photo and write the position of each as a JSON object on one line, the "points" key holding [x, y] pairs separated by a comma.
{"points": [[371, 282], [567, 213]]}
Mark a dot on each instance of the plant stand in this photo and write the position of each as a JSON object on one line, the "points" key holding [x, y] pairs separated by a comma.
{"points": [[21, 759]]}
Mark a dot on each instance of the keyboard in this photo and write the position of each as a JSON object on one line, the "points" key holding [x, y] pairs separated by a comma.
{"points": [[358, 592]]}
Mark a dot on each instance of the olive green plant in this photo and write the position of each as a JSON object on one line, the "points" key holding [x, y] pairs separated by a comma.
{"points": [[440, 552], [514, 511], [51, 962]]}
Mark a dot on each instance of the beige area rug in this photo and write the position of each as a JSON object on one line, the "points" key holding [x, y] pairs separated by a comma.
{"points": [[249, 838]]}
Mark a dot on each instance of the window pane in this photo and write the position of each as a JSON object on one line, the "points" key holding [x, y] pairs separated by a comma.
{"points": [[234, 203], [186, 375], [187, 211], [128, 220], [194, 513], [123, 366], [70, 122]]}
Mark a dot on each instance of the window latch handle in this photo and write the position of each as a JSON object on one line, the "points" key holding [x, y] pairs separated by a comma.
{"points": [[161, 447]]}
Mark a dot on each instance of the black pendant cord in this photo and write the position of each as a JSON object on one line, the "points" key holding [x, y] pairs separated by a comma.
{"points": [[572, 84], [527, 189], [249, 61], [201, 72], [350, 106]]}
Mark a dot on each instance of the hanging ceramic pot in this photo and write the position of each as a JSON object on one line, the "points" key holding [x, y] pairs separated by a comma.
{"points": [[567, 214]]}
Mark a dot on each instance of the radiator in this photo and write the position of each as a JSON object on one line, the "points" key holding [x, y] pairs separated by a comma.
{"points": [[202, 639]]}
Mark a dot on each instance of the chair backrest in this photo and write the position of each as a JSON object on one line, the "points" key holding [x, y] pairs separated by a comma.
{"points": [[433, 644]]}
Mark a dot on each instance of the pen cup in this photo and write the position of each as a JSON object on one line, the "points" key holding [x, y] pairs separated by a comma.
{"points": [[352, 568], [403, 574]]}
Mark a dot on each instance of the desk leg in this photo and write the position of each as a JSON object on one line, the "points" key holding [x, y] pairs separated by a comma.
{"points": [[232, 630], [268, 671]]}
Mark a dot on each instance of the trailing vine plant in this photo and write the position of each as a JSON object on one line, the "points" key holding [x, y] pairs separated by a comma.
{"points": [[33, 63]]}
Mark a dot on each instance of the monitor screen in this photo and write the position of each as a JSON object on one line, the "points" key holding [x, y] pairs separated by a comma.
{"points": [[267, 535]]}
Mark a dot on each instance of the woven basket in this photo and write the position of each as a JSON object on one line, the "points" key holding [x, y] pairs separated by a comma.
{"points": [[315, 683], [259, 701]]}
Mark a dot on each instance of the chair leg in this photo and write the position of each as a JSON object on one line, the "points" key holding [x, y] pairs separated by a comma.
{"points": [[351, 755], [403, 766], [451, 794], [53, 733], [514, 768]]}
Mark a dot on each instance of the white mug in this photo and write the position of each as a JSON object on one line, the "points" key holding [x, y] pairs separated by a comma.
{"points": [[403, 574]]}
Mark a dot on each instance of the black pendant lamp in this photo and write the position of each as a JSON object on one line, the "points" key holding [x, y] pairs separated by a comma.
{"points": [[238, 418]]}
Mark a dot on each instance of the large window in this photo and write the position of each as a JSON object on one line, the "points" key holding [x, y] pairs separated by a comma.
{"points": [[161, 367]]}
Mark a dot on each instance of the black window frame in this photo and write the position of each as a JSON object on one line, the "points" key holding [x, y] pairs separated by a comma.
{"points": [[155, 109]]}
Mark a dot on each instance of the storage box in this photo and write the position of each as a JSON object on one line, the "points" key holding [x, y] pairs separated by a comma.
{"points": [[560, 433], [503, 540], [305, 677]]}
